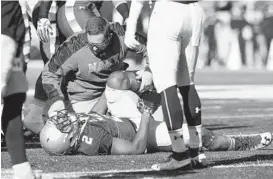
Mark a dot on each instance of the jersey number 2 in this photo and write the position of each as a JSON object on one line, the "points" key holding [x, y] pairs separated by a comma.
{"points": [[87, 139]]}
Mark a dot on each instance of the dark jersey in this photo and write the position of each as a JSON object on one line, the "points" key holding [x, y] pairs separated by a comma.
{"points": [[98, 131]]}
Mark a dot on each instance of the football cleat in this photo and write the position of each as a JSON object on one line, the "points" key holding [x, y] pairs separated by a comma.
{"points": [[198, 158], [252, 142], [176, 161]]}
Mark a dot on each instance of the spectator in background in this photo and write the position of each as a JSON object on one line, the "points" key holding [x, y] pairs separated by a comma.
{"points": [[239, 24], [209, 32], [223, 31], [266, 28]]}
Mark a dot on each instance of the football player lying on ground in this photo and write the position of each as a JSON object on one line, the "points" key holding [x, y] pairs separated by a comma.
{"points": [[134, 123]]}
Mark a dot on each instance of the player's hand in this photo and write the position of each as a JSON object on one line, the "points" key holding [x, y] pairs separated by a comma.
{"points": [[146, 80], [145, 107], [115, 26], [54, 106], [44, 29], [74, 134], [130, 40]]}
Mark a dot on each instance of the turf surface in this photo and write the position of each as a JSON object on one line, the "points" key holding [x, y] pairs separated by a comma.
{"points": [[226, 116]]}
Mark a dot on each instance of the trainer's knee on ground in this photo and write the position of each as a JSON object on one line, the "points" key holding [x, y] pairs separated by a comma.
{"points": [[118, 80]]}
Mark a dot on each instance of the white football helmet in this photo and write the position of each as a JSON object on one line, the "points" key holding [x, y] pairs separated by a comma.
{"points": [[56, 137], [53, 141]]}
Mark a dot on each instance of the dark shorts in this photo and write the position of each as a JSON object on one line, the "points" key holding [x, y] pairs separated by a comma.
{"points": [[12, 23]]}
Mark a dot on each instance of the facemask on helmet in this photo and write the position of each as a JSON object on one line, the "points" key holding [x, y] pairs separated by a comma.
{"points": [[55, 136]]}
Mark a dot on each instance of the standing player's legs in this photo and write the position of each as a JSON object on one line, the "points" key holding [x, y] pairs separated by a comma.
{"points": [[191, 100], [164, 49], [15, 86]]}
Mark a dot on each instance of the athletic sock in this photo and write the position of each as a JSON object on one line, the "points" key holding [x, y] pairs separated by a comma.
{"points": [[173, 116], [177, 140], [195, 136]]}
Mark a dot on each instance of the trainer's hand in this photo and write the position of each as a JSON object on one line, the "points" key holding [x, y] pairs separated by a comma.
{"points": [[75, 132], [44, 29], [146, 80], [54, 106]]}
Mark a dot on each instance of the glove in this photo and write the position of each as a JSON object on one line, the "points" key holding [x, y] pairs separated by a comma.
{"points": [[44, 29], [146, 80], [152, 99], [145, 106], [116, 27]]}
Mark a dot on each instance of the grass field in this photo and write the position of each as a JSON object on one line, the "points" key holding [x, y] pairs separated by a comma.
{"points": [[233, 103]]}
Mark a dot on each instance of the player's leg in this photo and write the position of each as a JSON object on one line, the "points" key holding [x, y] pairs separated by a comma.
{"points": [[217, 142], [13, 93], [12, 128], [191, 100], [159, 141], [164, 47]]}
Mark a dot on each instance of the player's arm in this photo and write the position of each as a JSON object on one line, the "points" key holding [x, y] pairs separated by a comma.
{"points": [[135, 10], [58, 66], [44, 9], [122, 7], [101, 105], [197, 24], [138, 145], [144, 75]]}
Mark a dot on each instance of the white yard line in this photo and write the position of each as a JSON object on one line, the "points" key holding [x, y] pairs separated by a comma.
{"points": [[244, 165], [250, 116], [7, 173]]}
